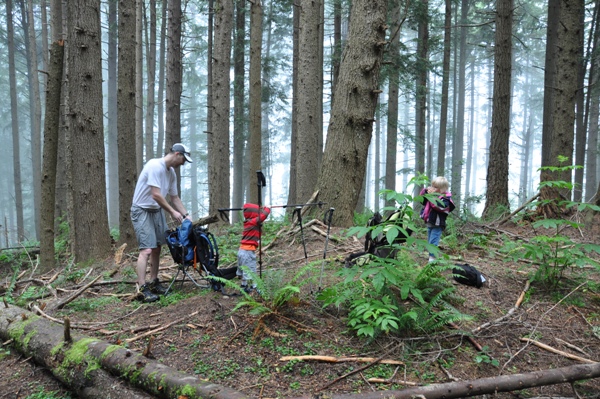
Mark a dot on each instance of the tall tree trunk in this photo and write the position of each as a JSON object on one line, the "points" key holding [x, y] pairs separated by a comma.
{"points": [[139, 95], [471, 146], [174, 79], [90, 218], [112, 150], [351, 124], [160, 112], [292, 190], [592, 111], [497, 173], [151, 76], [458, 141], [308, 113], [128, 171], [441, 158], [16, 146], [266, 97], [336, 55], [563, 112], [239, 116], [218, 172], [421, 89], [549, 78], [393, 92], [51, 133], [580, 128], [255, 94], [35, 112]]}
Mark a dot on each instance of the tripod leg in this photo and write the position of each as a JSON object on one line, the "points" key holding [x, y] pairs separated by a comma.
{"points": [[173, 281]]}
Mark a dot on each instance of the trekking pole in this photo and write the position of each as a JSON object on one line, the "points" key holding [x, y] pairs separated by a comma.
{"points": [[298, 210], [327, 218], [260, 182]]}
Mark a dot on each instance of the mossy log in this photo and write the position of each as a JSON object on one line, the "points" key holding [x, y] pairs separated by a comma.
{"points": [[94, 369]]}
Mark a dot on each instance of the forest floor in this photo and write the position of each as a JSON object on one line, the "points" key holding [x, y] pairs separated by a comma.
{"points": [[226, 347]]}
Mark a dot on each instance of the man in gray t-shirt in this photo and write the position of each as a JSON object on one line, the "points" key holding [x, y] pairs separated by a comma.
{"points": [[156, 182]]}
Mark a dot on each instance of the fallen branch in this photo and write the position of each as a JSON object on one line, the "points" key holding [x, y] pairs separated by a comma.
{"points": [[358, 370], [483, 386], [519, 209], [130, 340], [67, 300], [558, 352], [333, 359], [508, 314]]}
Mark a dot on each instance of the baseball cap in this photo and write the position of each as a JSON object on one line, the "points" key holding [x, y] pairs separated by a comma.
{"points": [[182, 149]]}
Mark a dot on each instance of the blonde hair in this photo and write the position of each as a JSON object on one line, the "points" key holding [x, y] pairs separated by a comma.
{"points": [[440, 183]]}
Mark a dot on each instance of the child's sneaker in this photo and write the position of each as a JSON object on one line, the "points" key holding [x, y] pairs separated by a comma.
{"points": [[147, 293]]}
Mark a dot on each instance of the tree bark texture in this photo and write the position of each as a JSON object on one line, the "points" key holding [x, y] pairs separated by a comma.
{"points": [[308, 112], [86, 131], [35, 112], [497, 172], [567, 64], [18, 193], [174, 75], [491, 385], [393, 92], [239, 114], [218, 166], [458, 140], [87, 365], [51, 129], [128, 171], [421, 88], [441, 158], [255, 94], [352, 115], [112, 148], [563, 110]]}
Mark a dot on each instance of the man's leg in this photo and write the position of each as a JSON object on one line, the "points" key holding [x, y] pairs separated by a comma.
{"points": [[154, 263], [142, 263]]}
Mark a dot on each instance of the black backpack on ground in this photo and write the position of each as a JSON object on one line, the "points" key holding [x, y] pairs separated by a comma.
{"points": [[379, 246], [207, 257], [197, 247], [468, 275]]}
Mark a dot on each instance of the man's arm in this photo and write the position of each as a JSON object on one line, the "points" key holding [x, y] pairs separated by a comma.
{"points": [[178, 204], [177, 211]]}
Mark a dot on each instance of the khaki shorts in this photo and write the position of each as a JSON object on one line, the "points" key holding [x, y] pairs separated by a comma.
{"points": [[150, 227]]}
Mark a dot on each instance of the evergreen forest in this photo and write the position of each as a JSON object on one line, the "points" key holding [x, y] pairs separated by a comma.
{"points": [[495, 96]]}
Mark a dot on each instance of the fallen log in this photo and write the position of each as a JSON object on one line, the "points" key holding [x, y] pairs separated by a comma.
{"points": [[491, 385], [333, 359], [88, 366]]}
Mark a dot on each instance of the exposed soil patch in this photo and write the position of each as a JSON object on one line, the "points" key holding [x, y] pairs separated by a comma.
{"points": [[227, 347]]}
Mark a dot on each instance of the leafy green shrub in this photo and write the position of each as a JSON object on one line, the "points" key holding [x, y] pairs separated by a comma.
{"points": [[552, 250], [275, 291], [393, 295]]}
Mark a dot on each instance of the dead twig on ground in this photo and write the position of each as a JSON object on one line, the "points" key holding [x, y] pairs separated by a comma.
{"points": [[333, 359], [360, 369], [130, 340], [508, 314], [558, 352], [72, 297]]}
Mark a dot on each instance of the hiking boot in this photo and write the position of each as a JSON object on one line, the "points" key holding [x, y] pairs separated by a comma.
{"points": [[157, 288], [147, 293]]}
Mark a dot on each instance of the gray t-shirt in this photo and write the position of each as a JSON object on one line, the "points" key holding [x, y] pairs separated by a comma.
{"points": [[154, 174]]}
